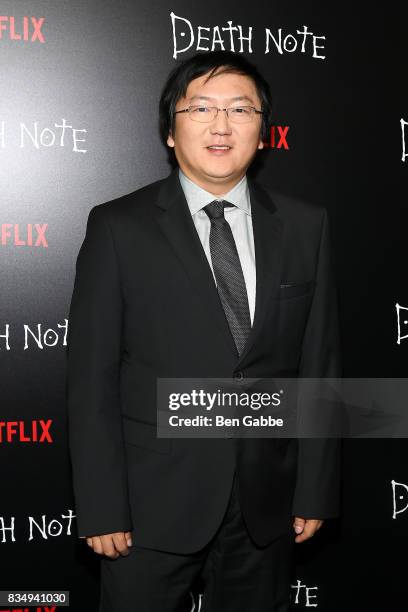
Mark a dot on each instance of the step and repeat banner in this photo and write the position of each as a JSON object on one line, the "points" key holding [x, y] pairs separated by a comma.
{"points": [[79, 89]]}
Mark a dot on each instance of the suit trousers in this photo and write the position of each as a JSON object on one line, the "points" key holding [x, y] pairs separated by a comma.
{"points": [[230, 574]]}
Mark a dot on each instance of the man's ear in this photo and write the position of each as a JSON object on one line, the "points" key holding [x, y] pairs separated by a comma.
{"points": [[261, 142], [170, 140]]}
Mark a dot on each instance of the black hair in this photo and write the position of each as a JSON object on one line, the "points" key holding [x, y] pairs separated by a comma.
{"points": [[199, 65]]}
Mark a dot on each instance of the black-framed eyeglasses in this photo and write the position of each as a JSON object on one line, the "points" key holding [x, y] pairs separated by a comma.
{"points": [[206, 114]]}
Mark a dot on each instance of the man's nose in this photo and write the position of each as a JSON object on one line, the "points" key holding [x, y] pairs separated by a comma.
{"points": [[220, 123]]}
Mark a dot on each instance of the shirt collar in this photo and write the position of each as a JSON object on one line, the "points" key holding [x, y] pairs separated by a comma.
{"points": [[197, 197]]}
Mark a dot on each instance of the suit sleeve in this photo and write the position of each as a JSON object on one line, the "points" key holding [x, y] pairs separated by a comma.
{"points": [[317, 492], [92, 386]]}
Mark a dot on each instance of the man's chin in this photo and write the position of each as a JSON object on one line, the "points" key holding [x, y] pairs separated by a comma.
{"points": [[220, 174]]}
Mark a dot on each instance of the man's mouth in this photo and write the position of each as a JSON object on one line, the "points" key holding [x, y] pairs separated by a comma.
{"points": [[219, 148]]}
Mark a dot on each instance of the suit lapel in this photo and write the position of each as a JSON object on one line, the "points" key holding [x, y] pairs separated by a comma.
{"points": [[175, 221], [267, 227]]}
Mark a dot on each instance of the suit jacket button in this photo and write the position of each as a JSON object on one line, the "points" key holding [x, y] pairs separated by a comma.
{"points": [[238, 375]]}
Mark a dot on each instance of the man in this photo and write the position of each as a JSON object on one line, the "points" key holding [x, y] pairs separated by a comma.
{"points": [[202, 274]]}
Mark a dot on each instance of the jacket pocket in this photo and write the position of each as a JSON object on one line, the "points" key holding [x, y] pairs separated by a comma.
{"points": [[140, 433], [289, 290]]}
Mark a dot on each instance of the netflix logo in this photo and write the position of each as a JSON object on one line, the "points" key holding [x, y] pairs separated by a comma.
{"points": [[21, 431], [45, 609], [26, 29], [278, 137], [23, 235]]}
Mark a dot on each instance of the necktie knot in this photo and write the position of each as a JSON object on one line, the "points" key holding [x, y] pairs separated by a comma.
{"points": [[215, 209]]}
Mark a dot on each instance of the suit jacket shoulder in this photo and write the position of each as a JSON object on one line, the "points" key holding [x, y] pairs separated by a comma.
{"points": [[296, 209], [303, 219], [140, 199]]}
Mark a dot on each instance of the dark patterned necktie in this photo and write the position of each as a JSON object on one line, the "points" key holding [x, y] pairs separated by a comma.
{"points": [[228, 273]]}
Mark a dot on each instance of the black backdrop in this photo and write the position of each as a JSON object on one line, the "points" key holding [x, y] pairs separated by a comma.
{"points": [[98, 67]]}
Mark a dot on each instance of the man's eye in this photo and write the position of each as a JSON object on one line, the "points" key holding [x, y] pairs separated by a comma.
{"points": [[200, 109], [241, 110]]}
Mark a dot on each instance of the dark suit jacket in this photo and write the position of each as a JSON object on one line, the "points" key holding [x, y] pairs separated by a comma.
{"points": [[144, 306]]}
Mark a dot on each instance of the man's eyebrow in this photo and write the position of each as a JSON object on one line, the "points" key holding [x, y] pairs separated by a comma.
{"points": [[234, 99]]}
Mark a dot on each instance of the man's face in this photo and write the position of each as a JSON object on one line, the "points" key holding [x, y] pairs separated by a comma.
{"points": [[217, 171]]}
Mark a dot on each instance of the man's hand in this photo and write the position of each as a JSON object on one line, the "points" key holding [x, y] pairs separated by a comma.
{"points": [[306, 528], [111, 544]]}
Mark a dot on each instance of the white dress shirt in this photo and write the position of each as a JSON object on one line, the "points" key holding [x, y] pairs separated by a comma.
{"points": [[239, 219]]}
